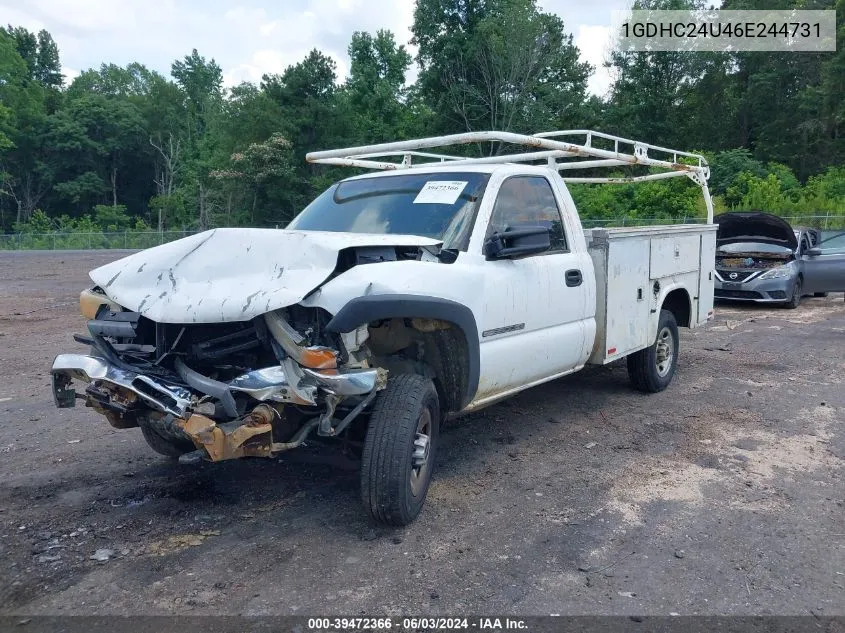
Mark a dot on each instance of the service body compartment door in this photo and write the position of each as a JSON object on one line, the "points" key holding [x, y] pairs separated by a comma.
{"points": [[629, 261], [627, 296], [622, 299], [674, 254], [706, 276]]}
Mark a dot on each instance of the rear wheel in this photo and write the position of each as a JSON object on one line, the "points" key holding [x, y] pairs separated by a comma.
{"points": [[795, 300], [651, 369], [399, 450]]}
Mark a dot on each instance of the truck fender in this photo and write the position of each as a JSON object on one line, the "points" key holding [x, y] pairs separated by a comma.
{"points": [[666, 289], [371, 308]]}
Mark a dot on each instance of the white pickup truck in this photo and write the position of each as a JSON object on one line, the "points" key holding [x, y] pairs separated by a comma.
{"points": [[436, 287]]}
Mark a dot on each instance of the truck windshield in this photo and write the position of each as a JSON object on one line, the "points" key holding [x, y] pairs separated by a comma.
{"points": [[440, 205]]}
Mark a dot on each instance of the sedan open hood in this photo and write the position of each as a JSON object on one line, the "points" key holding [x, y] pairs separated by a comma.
{"points": [[753, 226], [231, 274]]}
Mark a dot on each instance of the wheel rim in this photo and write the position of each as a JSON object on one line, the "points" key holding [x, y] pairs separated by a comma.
{"points": [[421, 453], [664, 352]]}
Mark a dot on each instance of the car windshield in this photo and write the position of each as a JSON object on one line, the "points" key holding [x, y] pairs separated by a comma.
{"points": [[832, 242], [754, 247], [440, 206]]}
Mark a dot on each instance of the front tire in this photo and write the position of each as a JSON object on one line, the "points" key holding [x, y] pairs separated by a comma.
{"points": [[795, 300], [161, 435], [651, 369], [399, 450]]}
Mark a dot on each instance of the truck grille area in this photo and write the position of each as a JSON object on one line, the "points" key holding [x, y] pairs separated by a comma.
{"points": [[222, 349], [236, 344], [223, 344]]}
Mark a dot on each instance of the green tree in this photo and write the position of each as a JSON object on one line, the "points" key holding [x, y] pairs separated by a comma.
{"points": [[652, 93], [12, 77], [96, 138], [26, 44], [112, 217], [822, 106], [727, 165], [497, 64], [166, 123], [135, 80], [309, 99], [48, 68], [251, 115], [264, 172], [40, 53], [781, 107], [201, 82], [375, 90], [25, 175]]}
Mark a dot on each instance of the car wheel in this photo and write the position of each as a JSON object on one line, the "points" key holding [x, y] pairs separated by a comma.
{"points": [[163, 438], [399, 450], [651, 369], [795, 301]]}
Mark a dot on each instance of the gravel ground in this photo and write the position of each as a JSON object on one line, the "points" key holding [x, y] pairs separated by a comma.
{"points": [[721, 495]]}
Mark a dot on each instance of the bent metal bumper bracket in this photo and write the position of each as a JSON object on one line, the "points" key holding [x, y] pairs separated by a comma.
{"points": [[243, 436], [268, 384], [164, 397]]}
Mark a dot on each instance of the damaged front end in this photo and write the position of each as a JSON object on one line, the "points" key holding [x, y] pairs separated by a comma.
{"points": [[222, 390]]}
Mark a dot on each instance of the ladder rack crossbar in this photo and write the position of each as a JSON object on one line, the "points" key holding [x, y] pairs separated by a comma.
{"points": [[545, 146], [550, 147]]}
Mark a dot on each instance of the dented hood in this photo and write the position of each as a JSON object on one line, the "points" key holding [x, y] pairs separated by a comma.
{"points": [[753, 226], [231, 274]]}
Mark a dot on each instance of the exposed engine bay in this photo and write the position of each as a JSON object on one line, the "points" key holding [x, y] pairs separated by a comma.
{"points": [[214, 391], [753, 261]]}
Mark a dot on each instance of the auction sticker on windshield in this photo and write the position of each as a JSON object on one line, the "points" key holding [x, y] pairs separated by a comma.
{"points": [[440, 192]]}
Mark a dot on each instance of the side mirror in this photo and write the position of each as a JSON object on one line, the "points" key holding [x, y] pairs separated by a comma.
{"points": [[518, 242], [813, 252]]}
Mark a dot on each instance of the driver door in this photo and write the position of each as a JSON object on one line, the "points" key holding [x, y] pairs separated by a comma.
{"points": [[824, 265], [535, 306]]}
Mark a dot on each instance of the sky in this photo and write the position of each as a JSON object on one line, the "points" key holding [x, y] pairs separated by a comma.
{"points": [[248, 38]]}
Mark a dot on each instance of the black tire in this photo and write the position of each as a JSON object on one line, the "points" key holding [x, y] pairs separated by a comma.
{"points": [[820, 294], [650, 369], [795, 300], [393, 488], [163, 437]]}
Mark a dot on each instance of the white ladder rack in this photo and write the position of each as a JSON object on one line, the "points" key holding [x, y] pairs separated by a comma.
{"points": [[574, 145]]}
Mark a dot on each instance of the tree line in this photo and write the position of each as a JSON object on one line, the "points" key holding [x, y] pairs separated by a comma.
{"points": [[122, 148]]}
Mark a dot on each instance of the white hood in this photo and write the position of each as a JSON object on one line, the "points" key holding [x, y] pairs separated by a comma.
{"points": [[231, 274]]}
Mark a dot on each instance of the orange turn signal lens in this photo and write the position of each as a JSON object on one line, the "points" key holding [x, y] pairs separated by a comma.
{"points": [[318, 358]]}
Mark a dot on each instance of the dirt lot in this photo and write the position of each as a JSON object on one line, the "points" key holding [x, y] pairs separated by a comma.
{"points": [[722, 495]]}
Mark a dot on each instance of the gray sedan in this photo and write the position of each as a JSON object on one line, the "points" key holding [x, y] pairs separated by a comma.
{"points": [[761, 258]]}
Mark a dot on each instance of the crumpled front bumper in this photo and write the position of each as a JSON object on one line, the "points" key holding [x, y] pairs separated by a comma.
{"points": [[158, 394], [288, 383], [761, 291]]}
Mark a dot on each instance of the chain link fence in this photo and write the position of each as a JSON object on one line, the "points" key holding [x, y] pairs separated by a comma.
{"points": [[89, 241], [145, 239]]}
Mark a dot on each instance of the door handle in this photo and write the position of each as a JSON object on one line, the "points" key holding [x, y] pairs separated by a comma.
{"points": [[573, 278]]}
